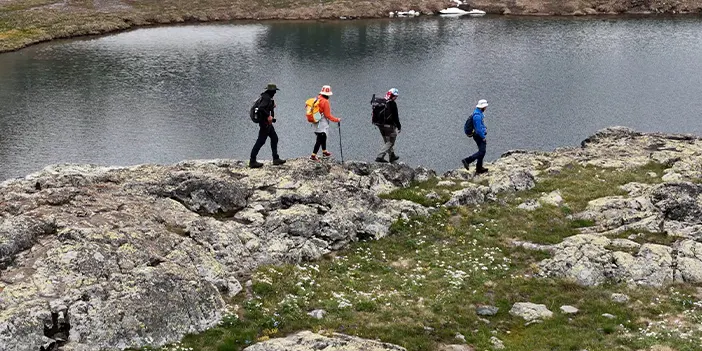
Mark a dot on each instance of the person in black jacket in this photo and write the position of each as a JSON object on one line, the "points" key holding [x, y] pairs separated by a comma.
{"points": [[266, 118], [390, 130]]}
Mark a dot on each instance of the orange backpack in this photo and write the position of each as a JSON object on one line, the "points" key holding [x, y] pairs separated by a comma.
{"points": [[312, 110]]}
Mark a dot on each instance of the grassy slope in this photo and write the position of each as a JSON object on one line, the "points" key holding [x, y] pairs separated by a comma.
{"points": [[23, 22], [419, 287]]}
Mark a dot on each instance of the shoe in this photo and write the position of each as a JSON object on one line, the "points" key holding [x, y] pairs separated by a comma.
{"points": [[314, 158], [394, 158], [381, 160], [278, 162], [254, 164], [466, 164], [481, 171], [326, 154]]}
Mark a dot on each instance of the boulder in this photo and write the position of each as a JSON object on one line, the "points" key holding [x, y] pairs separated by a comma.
{"points": [[530, 311], [305, 341]]}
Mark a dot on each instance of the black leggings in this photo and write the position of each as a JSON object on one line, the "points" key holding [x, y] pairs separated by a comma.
{"points": [[321, 141]]}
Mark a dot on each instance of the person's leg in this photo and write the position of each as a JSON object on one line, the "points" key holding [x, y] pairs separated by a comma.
{"points": [[392, 137], [323, 142], [262, 135], [386, 145], [468, 160], [482, 148], [317, 143], [274, 146]]}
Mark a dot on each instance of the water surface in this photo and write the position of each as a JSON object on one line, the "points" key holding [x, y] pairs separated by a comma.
{"points": [[161, 95]]}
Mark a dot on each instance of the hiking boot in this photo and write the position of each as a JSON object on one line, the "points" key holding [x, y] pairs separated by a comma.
{"points": [[278, 162], [466, 164], [481, 171], [255, 164], [394, 157], [326, 153], [381, 160], [314, 158]]}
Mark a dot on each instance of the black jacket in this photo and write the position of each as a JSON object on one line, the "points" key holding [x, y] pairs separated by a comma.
{"points": [[266, 107], [392, 117]]}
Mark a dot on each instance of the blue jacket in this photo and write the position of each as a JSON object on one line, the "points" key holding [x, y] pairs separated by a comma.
{"points": [[478, 124]]}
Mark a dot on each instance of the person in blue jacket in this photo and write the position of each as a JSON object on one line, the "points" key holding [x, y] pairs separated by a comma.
{"points": [[480, 137]]}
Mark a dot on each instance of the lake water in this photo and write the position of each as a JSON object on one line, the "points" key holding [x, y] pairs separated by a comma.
{"points": [[161, 95]]}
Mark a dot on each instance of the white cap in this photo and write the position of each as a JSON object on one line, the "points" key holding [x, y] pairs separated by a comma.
{"points": [[482, 104]]}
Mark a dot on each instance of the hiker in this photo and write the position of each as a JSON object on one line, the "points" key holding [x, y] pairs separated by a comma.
{"points": [[477, 130], [321, 121], [265, 113], [389, 128]]}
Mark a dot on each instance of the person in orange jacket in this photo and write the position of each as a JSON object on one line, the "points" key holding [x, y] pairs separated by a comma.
{"points": [[321, 127]]}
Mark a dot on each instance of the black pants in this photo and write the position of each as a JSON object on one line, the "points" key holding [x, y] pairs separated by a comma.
{"points": [[321, 141], [482, 147], [265, 130]]}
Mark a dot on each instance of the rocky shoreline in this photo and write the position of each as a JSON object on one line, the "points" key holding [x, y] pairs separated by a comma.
{"points": [[100, 258], [24, 23]]}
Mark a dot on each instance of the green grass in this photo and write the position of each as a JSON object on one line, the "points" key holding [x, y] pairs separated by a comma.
{"points": [[418, 191], [419, 287]]}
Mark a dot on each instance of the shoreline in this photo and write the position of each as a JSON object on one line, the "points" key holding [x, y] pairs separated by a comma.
{"points": [[21, 27]]}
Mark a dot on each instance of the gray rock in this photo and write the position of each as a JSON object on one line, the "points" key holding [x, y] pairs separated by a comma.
{"points": [[529, 205], [679, 201], [455, 347], [566, 309], [609, 316], [553, 198], [486, 310], [497, 344], [472, 195], [530, 311], [88, 247], [317, 314], [460, 337], [305, 341], [689, 262], [433, 196], [620, 298], [447, 183]]}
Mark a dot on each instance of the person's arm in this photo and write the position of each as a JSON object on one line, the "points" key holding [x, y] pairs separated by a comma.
{"points": [[325, 108], [396, 115], [479, 125]]}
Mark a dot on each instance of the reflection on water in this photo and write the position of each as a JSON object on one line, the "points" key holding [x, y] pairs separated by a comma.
{"points": [[166, 94]]}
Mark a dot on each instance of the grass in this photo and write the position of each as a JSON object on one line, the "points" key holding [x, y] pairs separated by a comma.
{"points": [[24, 22], [418, 191], [420, 286]]}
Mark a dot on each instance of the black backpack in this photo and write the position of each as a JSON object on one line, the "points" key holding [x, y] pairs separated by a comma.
{"points": [[253, 113], [469, 127], [379, 115]]}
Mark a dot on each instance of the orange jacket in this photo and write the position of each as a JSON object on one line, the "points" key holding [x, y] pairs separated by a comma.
{"points": [[325, 109]]}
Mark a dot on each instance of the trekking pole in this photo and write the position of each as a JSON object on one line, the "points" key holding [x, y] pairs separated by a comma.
{"points": [[341, 148]]}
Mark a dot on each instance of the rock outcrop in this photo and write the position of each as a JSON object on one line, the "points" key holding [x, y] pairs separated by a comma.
{"points": [[110, 258], [671, 210], [306, 340], [98, 258]]}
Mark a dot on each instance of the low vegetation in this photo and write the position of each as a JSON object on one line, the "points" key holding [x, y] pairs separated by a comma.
{"points": [[420, 287], [24, 22]]}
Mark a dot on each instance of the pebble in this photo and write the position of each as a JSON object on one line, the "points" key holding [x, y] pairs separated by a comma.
{"points": [[486, 310], [569, 309]]}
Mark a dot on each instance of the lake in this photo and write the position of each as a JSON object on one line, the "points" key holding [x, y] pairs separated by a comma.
{"points": [[161, 95]]}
